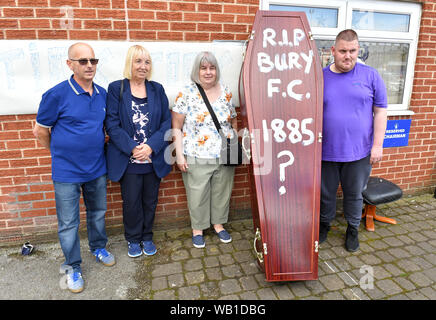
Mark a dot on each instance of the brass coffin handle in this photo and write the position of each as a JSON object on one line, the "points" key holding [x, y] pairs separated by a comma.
{"points": [[247, 150], [257, 237]]}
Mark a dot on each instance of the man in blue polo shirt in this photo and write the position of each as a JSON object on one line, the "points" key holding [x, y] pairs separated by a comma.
{"points": [[70, 123]]}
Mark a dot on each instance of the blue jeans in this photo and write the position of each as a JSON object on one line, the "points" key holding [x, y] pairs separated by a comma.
{"points": [[67, 197]]}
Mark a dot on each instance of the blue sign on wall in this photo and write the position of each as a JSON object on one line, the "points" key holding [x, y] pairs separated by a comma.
{"points": [[397, 133]]}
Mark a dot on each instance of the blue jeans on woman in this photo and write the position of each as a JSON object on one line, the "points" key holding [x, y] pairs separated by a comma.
{"points": [[67, 197]]}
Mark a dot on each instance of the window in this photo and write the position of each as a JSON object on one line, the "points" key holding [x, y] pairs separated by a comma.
{"points": [[388, 34]]}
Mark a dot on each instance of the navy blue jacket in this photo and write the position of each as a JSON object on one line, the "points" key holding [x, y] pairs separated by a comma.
{"points": [[119, 127]]}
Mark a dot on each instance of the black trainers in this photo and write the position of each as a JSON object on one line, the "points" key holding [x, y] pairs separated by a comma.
{"points": [[323, 230], [352, 239]]}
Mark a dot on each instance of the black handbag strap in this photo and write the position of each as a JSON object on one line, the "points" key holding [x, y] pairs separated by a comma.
{"points": [[209, 107], [121, 90]]}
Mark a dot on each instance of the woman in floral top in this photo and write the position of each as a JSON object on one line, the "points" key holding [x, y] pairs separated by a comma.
{"points": [[197, 141]]}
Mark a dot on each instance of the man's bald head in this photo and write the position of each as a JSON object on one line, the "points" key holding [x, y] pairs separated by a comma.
{"points": [[83, 73], [77, 48]]}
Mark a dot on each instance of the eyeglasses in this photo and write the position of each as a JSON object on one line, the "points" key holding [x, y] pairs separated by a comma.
{"points": [[84, 62]]}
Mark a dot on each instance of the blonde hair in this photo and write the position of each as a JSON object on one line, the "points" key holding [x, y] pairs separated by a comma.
{"points": [[132, 53]]}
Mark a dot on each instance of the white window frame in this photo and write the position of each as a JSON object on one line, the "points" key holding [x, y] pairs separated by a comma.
{"points": [[345, 9]]}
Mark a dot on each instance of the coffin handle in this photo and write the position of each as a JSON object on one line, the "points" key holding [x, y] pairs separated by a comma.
{"points": [[246, 135], [257, 237]]}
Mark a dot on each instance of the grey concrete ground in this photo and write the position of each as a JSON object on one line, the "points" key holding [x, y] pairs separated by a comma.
{"points": [[400, 259]]}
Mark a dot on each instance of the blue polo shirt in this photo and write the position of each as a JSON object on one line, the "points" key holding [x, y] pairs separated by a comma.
{"points": [[77, 136]]}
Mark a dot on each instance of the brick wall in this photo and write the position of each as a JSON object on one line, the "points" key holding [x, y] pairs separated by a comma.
{"points": [[27, 207]]}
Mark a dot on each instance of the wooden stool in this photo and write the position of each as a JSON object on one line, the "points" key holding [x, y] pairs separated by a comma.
{"points": [[378, 191]]}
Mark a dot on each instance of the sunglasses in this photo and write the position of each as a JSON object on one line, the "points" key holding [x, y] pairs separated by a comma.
{"points": [[84, 62]]}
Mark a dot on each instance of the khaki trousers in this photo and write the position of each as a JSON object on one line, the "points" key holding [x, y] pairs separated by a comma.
{"points": [[208, 189]]}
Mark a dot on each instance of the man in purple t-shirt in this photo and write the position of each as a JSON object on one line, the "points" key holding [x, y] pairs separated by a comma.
{"points": [[354, 124]]}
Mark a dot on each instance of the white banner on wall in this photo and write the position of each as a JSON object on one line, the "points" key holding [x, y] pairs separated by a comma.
{"points": [[28, 68]]}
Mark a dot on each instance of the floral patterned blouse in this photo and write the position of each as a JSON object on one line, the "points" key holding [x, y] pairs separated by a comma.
{"points": [[200, 136]]}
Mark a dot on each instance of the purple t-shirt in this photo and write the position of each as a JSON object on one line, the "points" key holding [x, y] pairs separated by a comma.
{"points": [[348, 114]]}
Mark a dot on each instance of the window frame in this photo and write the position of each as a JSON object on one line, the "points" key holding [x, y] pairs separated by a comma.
{"points": [[345, 9]]}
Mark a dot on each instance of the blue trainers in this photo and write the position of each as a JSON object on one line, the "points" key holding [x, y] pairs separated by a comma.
{"points": [[149, 248], [198, 241], [105, 257], [224, 236], [75, 281], [134, 250]]}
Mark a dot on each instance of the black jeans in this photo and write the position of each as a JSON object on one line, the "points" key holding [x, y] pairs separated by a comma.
{"points": [[140, 195], [353, 177]]}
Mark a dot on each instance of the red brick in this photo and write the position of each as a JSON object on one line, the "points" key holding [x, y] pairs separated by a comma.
{"points": [[115, 14], [222, 18], [42, 152], [143, 35], [154, 5], [50, 13], [154, 25], [239, 9], [52, 34], [123, 25], [183, 26], [8, 3], [40, 187], [196, 17], [96, 3], [235, 28], [13, 189], [15, 154], [221, 36], [132, 4], [181, 6], [112, 35], [33, 213], [23, 163], [97, 24], [138, 14], [18, 12], [21, 144], [17, 125], [173, 36], [83, 34], [25, 134], [35, 23], [9, 135], [8, 23], [197, 36], [38, 170], [32, 3], [31, 197], [20, 34], [43, 204], [210, 7], [212, 27]]}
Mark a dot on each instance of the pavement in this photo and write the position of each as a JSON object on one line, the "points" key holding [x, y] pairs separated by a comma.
{"points": [[395, 262]]}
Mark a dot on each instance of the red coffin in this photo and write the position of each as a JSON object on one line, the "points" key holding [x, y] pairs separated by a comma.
{"points": [[281, 105]]}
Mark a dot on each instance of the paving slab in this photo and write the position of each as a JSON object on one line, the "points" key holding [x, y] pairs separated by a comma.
{"points": [[396, 262]]}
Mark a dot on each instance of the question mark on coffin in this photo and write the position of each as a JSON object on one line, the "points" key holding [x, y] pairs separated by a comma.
{"points": [[283, 166]]}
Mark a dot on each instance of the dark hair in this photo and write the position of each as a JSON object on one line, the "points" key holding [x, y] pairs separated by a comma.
{"points": [[347, 35]]}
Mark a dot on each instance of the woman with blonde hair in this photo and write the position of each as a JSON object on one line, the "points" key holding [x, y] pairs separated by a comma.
{"points": [[137, 118]]}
